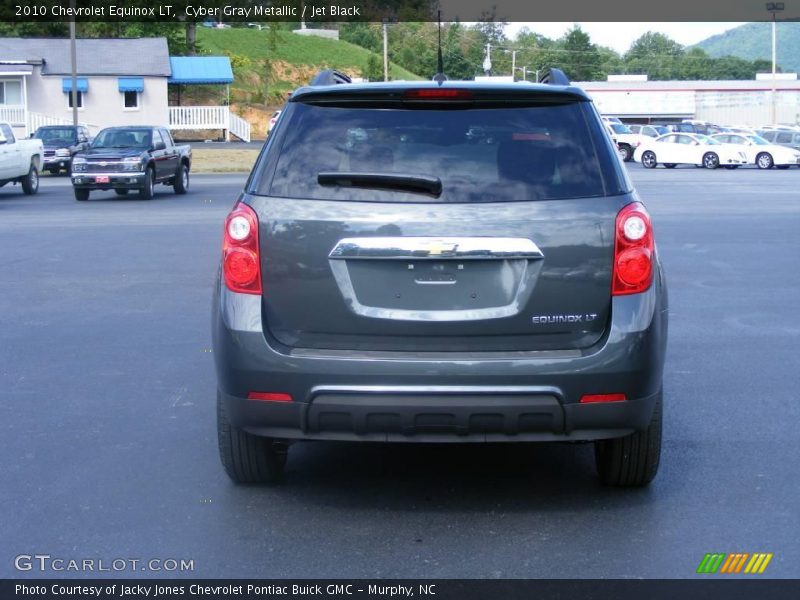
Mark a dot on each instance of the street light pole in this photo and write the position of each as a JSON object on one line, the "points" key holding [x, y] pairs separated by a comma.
{"points": [[774, 8], [385, 51]]}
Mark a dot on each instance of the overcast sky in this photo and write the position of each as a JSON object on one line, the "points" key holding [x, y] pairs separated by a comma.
{"points": [[619, 36]]}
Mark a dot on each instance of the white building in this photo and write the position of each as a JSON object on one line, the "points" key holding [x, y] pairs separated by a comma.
{"points": [[745, 102], [119, 82]]}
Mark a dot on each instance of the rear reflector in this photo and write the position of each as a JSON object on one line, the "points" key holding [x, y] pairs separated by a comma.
{"points": [[269, 396], [589, 398], [438, 94]]}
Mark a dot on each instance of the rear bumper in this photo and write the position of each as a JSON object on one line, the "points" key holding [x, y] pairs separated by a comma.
{"points": [[442, 397], [88, 181]]}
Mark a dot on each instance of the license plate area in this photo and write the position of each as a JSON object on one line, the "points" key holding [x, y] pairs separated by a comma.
{"points": [[102, 179], [436, 285]]}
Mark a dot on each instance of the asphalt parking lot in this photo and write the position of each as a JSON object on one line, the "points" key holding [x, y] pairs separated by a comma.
{"points": [[108, 445]]}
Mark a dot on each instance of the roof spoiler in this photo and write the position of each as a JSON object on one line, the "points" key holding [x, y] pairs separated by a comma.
{"points": [[554, 77], [330, 77]]}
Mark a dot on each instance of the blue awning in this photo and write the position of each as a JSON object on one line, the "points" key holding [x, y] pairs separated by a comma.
{"points": [[197, 70], [83, 84], [131, 84]]}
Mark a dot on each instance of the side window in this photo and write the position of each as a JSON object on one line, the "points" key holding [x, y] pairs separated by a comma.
{"points": [[8, 134], [167, 137], [784, 138], [131, 100], [670, 139], [157, 137], [685, 140], [796, 138]]}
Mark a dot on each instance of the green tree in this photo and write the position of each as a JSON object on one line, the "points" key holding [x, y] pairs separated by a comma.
{"points": [[373, 71], [655, 55], [579, 58]]}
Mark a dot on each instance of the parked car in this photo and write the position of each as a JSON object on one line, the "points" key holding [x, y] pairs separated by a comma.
{"points": [[612, 120], [626, 140], [652, 131], [61, 143], [760, 152], [272, 121], [782, 137], [682, 148], [411, 285], [133, 158], [20, 160]]}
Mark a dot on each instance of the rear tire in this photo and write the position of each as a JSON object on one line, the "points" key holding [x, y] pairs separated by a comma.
{"points": [[147, 191], [631, 461], [30, 183], [181, 184], [764, 161], [625, 152], [247, 458], [81, 195], [649, 160]]}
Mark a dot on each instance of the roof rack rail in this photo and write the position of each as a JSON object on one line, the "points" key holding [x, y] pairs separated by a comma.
{"points": [[554, 77], [330, 77]]}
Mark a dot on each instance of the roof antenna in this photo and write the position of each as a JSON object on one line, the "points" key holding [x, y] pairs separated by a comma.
{"points": [[440, 76]]}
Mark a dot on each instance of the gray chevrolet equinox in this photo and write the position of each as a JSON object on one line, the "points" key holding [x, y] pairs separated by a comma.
{"points": [[439, 262]]}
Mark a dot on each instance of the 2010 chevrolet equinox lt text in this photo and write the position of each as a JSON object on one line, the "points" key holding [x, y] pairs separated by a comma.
{"points": [[439, 262]]}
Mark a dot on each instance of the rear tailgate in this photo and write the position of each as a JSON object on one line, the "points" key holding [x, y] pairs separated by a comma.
{"points": [[513, 255]]}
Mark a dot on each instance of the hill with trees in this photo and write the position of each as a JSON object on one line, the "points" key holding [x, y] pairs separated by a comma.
{"points": [[753, 41]]}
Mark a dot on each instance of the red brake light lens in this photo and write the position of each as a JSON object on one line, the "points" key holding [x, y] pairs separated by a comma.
{"points": [[592, 398], [633, 251], [270, 396], [241, 262], [438, 94]]}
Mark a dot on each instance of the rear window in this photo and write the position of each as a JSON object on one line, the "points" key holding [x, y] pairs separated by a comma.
{"points": [[541, 152]]}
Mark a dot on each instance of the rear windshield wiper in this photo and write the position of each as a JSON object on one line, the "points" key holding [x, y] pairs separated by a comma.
{"points": [[390, 181]]}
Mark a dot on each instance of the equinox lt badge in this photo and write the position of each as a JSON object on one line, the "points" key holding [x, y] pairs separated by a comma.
{"points": [[550, 319]]}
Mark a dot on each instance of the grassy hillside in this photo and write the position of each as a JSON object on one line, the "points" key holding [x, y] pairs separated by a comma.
{"points": [[295, 59], [754, 40], [263, 76]]}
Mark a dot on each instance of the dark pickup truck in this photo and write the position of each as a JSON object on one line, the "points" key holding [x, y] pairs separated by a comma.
{"points": [[131, 158], [61, 143]]}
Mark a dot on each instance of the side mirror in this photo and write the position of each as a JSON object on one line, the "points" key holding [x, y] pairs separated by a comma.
{"points": [[159, 146]]}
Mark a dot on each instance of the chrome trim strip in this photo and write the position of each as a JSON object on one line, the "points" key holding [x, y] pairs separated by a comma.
{"points": [[93, 174], [433, 248]]}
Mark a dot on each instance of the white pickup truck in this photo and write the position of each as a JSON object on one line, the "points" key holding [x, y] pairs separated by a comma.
{"points": [[20, 160]]}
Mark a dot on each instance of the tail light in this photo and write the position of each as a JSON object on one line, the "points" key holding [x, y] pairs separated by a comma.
{"points": [[633, 251], [241, 262]]}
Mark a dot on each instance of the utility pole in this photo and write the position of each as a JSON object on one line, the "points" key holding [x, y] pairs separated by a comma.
{"points": [[74, 59], [385, 50]]}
